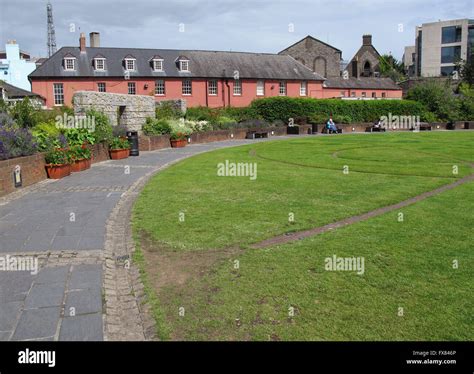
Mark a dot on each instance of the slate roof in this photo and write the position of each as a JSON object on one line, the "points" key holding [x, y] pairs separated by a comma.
{"points": [[202, 64], [14, 92], [362, 83]]}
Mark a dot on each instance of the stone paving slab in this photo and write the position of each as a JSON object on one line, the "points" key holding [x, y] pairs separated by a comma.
{"points": [[64, 300]]}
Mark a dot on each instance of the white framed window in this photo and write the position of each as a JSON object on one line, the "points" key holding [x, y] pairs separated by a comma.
{"points": [[58, 92], [364, 94], [158, 65], [184, 65], [374, 95], [160, 87], [303, 88], [132, 89], [237, 87], [260, 88], [101, 87], [384, 95], [282, 89], [353, 94], [69, 63], [187, 87], [343, 93], [99, 63], [212, 87], [130, 64]]}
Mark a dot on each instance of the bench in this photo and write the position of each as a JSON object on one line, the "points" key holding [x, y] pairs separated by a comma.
{"points": [[425, 127], [256, 134], [325, 130], [375, 129]]}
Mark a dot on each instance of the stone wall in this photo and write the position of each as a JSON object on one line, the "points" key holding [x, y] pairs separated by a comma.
{"points": [[32, 171], [128, 110], [179, 104], [316, 55]]}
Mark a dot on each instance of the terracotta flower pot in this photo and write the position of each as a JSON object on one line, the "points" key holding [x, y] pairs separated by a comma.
{"points": [[58, 171], [178, 143], [118, 154], [79, 165]]}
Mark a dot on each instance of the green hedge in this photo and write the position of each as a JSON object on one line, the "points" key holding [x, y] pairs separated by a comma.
{"points": [[352, 111]]}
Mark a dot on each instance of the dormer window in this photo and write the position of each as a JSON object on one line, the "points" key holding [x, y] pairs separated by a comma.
{"points": [[69, 63], [157, 64], [99, 63], [184, 65], [130, 63]]}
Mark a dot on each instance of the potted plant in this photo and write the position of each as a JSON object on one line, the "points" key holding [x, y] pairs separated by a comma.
{"points": [[119, 148], [58, 163], [178, 139], [81, 158]]}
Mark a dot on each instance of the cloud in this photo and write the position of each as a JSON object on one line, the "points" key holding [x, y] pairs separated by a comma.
{"points": [[257, 25]]}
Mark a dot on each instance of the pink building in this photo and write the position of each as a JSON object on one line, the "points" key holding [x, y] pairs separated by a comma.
{"points": [[207, 78]]}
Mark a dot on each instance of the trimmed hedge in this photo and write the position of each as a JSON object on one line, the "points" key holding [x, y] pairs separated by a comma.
{"points": [[284, 108]]}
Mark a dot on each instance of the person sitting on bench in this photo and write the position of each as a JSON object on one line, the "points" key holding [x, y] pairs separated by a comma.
{"points": [[331, 126]]}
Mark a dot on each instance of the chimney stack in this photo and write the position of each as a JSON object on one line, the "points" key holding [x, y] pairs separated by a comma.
{"points": [[367, 39], [82, 42], [94, 39]]}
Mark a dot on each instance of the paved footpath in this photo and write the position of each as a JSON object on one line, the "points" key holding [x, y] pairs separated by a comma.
{"points": [[72, 226]]}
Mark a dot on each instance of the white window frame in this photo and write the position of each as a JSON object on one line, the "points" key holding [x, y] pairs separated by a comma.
{"points": [[384, 95], [96, 66], [364, 95], [69, 59], [237, 90], [303, 88], [160, 87], [374, 95], [184, 65], [260, 88], [212, 87], [133, 62], [130, 85], [282, 88], [343, 93], [353, 94], [158, 64], [58, 94], [99, 85], [186, 89]]}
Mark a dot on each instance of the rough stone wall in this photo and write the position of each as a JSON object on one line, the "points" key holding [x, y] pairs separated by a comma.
{"points": [[137, 107], [365, 53], [317, 56]]}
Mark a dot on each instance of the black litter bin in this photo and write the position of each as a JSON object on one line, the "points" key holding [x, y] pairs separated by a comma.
{"points": [[132, 137]]}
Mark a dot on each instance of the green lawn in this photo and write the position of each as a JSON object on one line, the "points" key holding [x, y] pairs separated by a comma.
{"points": [[408, 264]]}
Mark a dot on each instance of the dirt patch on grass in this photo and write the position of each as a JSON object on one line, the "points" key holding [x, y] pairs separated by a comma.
{"points": [[176, 272]]}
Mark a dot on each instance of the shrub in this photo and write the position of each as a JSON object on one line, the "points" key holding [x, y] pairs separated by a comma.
{"points": [[467, 102], [79, 137], [103, 129], [119, 130], [202, 113], [58, 156], [437, 98], [24, 113], [119, 143], [284, 108], [80, 152], [167, 110], [6, 119], [16, 142], [156, 127], [48, 136], [178, 135]]}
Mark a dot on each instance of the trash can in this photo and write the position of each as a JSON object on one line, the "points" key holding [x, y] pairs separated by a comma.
{"points": [[132, 137]]}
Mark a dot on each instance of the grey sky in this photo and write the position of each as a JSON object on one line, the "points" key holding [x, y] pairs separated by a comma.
{"points": [[255, 26]]}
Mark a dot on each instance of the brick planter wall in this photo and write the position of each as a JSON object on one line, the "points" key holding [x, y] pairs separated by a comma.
{"points": [[32, 171], [152, 143], [100, 152]]}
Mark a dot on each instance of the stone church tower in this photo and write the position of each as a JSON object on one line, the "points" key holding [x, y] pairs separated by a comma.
{"points": [[365, 62]]}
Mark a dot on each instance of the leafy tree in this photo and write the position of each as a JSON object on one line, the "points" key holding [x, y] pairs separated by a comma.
{"points": [[438, 98], [466, 70], [390, 67]]}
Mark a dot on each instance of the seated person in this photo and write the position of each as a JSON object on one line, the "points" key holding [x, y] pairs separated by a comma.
{"points": [[331, 126]]}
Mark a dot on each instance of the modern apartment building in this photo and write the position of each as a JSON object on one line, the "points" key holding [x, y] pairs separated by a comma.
{"points": [[438, 45]]}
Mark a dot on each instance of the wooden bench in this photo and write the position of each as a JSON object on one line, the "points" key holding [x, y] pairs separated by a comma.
{"points": [[255, 134], [325, 130], [375, 129]]}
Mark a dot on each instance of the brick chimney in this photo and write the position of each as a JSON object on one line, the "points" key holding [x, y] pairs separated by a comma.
{"points": [[82, 42], [367, 39], [94, 38]]}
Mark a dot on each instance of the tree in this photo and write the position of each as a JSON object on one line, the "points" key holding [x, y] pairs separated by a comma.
{"points": [[390, 67], [437, 98], [466, 70]]}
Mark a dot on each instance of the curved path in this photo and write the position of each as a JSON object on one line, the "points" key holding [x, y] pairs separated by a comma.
{"points": [[75, 228]]}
